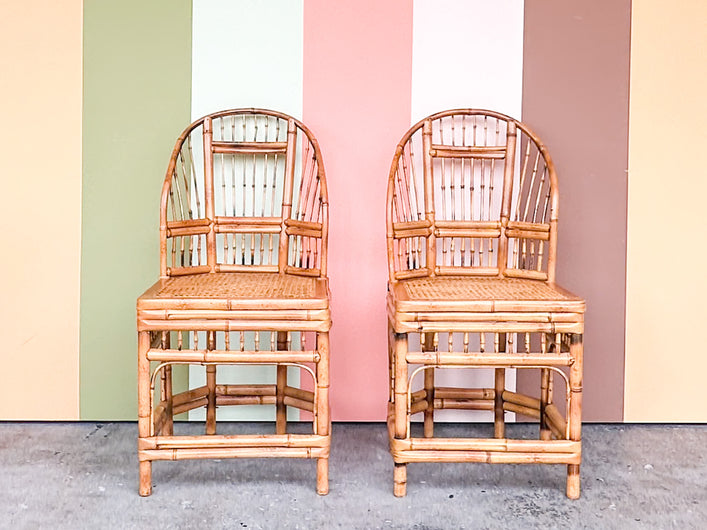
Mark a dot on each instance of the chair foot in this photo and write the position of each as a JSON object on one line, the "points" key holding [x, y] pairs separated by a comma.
{"points": [[400, 477], [145, 488], [573, 481], [429, 425], [322, 476]]}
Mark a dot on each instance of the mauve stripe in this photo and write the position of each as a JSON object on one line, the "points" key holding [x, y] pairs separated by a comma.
{"points": [[575, 96]]}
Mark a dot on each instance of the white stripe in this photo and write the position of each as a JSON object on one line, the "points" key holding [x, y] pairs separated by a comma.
{"points": [[246, 53], [467, 53]]}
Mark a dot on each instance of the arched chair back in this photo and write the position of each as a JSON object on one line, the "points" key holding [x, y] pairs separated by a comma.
{"points": [[245, 190], [471, 192]]}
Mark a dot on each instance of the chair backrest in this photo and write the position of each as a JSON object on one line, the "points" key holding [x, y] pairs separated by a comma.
{"points": [[471, 192], [245, 191]]}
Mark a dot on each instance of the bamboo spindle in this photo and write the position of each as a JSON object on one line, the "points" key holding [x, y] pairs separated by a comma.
{"points": [[509, 170], [287, 192], [209, 193], [431, 257]]}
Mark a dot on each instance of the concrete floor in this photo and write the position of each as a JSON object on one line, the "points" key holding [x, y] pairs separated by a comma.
{"points": [[84, 475]]}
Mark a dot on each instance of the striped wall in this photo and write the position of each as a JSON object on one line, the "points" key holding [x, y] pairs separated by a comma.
{"points": [[94, 94]]}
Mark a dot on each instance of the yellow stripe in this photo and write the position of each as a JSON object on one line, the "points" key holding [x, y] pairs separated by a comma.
{"points": [[40, 61], [666, 279]]}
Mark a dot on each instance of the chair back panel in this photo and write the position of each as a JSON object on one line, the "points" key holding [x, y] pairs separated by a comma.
{"points": [[245, 190], [471, 192]]}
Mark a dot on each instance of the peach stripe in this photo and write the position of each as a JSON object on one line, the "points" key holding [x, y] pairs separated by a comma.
{"points": [[357, 86], [40, 61]]}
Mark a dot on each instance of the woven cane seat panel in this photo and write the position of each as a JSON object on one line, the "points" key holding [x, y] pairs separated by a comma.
{"points": [[460, 293], [237, 290], [239, 285], [460, 288]]}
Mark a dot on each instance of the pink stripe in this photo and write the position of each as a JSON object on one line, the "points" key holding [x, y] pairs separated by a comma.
{"points": [[357, 86]]}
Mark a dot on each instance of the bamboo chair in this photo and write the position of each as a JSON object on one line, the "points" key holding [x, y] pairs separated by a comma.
{"points": [[243, 281], [472, 214]]}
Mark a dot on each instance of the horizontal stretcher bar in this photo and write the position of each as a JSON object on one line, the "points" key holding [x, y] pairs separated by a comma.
{"points": [[494, 445], [232, 452], [471, 455], [254, 315], [495, 317], [444, 326], [235, 440], [231, 325], [489, 359], [263, 148], [224, 356]]}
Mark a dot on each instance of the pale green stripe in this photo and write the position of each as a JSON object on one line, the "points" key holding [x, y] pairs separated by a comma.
{"points": [[137, 91]]}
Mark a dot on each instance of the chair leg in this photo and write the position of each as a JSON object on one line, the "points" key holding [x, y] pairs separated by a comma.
{"points": [[168, 427], [429, 390], [211, 397], [166, 390], [400, 474], [499, 425], [280, 408], [401, 408], [322, 408], [144, 407], [211, 386], [575, 412], [391, 364], [429, 428], [545, 400]]}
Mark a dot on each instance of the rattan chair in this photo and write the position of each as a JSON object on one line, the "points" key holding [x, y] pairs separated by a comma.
{"points": [[243, 281], [472, 215]]}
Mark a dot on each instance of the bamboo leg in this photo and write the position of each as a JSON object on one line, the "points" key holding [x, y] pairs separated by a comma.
{"points": [[499, 426], [168, 428], [391, 366], [430, 390], [400, 480], [281, 409], [144, 405], [167, 393], [401, 408], [211, 385], [322, 408], [575, 412], [545, 433], [211, 403]]}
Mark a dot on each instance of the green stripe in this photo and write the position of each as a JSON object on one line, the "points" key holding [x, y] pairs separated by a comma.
{"points": [[137, 91]]}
